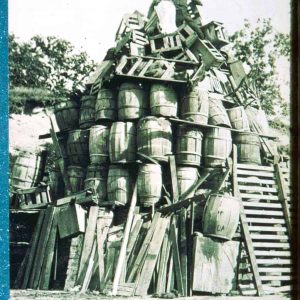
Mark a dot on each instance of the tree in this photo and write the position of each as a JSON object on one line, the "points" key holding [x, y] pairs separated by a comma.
{"points": [[46, 67], [260, 48]]}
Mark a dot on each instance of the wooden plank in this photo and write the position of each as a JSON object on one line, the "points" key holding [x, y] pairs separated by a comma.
{"points": [[281, 278], [183, 250], [267, 228], [269, 237], [38, 261], [214, 265], [122, 255], [176, 257], [255, 167], [163, 264], [33, 249], [274, 261], [88, 243], [44, 281], [244, 226], [258, 196], [274, 270], [143, 249], [268, 220], [255, 182], [151, 257], [253, 188], [269, 245], [264, 212], [283, 198], [173, 173], [102, 231], [273, 253], [266, 205], [133, 237], [255, 173]]}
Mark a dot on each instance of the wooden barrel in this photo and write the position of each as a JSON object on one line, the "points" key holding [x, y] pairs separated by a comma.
{"points": [[238, 118], [27, 171], [221, 216], [188, 146], [217, 146], [195, 106], [67, 115], [87, 112], [186, 177], [96, 180], [217, 114], [154, 138], [122, 142], [96, 171], [132, 102], [149, 184], [163, 100], [99, 144], [248, 148], [76, 176], [78, 147], [119, 185], [106, 105]]}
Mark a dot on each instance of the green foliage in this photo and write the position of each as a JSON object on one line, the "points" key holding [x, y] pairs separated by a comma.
{"points": [[48, 64], [260, 48]]}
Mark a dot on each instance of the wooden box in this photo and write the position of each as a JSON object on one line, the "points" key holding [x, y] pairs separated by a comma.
{"points": [[216, 34], [71, 220]]}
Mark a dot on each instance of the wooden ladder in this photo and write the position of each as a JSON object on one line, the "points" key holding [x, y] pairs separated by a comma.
{"points": [[265, 265]]}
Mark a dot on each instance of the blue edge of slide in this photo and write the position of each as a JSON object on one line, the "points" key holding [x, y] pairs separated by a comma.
{"points": [[4, 199]]}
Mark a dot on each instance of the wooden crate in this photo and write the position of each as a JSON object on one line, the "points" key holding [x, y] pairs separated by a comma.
{"points": [[165, 43], [216, 34]]}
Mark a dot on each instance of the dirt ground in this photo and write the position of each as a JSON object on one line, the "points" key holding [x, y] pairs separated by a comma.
{"points": [[60, 295]]}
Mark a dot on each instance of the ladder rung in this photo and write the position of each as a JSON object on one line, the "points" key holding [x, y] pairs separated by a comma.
{"points": [[261, 204], [258, 188], [255, 173], [273, 221], [267, 228], [255, 167], [264, 212], [274, 261], [268, 237], [257, 181], [271, 245], [256, 196], [273, 253]]}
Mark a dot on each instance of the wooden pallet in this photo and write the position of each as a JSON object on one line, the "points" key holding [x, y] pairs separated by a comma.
{"points": [[265, 212], [142, 67], [165, 43]]}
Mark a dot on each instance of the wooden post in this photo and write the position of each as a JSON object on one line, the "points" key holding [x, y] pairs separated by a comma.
{"points": [[173, 173], [245, 228], [122, 255], [283, 198]]}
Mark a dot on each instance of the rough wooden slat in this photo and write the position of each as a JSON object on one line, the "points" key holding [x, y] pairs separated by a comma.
{"points": [[143, 249], [267, 228], [253, 188], [255, 167], [255, 182], [256, 204], [88, 242], [272, 253], [151, 257], [183, 250], [258, 174], [38, 261], [270, 245], [268, 220], [265, 237], [264, 212], [274, 270], [173, 172], [258, 196], [33, 249], [176, 257], [133, 237], [44, 281], [279, 278], [274, 261]]}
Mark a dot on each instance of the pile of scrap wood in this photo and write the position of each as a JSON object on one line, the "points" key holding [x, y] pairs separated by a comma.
{"points": [[158, 161]]}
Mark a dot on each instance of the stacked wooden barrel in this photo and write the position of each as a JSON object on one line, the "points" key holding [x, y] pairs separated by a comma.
{"points": [[124, 135]]}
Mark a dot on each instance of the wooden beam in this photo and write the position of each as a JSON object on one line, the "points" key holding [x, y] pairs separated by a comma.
{"points": [[174, 181], [122, 255], [283, 197], [245, 228], [183, 250]]}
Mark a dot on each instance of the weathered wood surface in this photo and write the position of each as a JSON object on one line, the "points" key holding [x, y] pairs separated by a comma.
{"points": [[214, 265]]}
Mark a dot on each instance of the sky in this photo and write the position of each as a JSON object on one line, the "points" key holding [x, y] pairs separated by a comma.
{"points": [[91, 25]]}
